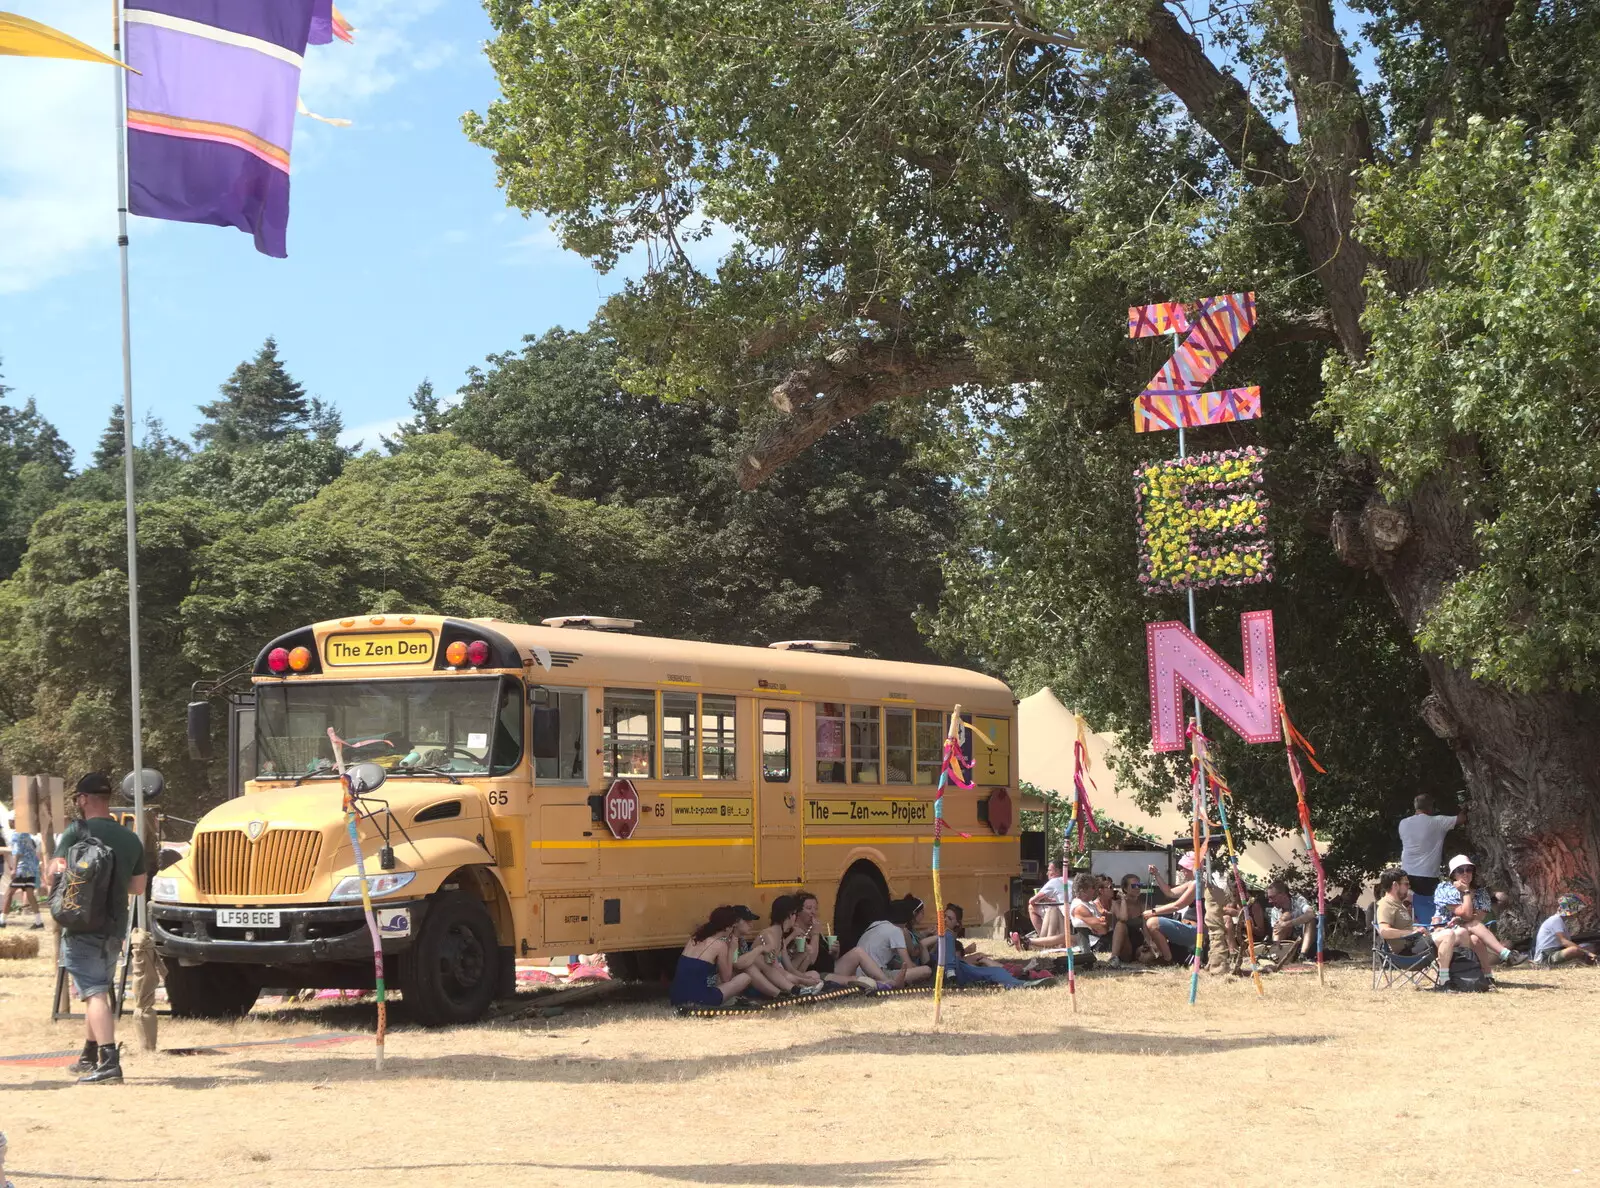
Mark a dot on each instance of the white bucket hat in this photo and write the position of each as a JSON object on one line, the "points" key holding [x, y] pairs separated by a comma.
{"points": [[1459, 861]]}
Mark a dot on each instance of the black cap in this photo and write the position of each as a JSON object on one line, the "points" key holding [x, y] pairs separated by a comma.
{"points": [[745, 913], [96, 783]]}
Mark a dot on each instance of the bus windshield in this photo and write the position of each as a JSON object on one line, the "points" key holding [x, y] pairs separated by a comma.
{"points": [[456, 725]]}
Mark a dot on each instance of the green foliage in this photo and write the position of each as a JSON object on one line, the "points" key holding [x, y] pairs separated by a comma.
{"points": [[1502, 351], [288, 471], [440, 528], [843, 544], [261, 402]]}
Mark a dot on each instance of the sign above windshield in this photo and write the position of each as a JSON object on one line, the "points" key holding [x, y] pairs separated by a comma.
{"points": [[378, 647]]}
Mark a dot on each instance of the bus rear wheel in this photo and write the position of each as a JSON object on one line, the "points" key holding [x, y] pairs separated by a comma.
{"points": [[209, 991], [861, 901], [450, 972]]}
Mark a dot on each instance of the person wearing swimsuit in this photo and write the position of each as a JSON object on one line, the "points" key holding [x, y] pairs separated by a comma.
{"points": [[705, 975]]}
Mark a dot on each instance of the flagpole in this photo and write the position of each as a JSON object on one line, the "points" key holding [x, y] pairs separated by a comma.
{"points": [[127, 444]]}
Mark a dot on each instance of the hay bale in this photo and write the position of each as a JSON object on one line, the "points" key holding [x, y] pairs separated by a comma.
{"points": [[19, 945]]}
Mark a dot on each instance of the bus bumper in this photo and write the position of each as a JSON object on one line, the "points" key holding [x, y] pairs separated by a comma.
{"points": [[304, 936]]}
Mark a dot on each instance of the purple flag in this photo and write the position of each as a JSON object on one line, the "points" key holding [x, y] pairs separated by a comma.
{"points": [[321, 23], [211, 116]]}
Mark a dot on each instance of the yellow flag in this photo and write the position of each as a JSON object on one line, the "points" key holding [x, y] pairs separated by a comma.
{"points": [[23, 38]]}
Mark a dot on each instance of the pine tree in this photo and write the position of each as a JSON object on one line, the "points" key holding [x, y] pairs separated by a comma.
{"points": [[428, 417], [261, 402], [108, 453]]}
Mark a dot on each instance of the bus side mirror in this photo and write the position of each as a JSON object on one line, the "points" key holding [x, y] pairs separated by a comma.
{"points": [[364, 778], [538, 695], [154, 785], [546, 732], [199, 730]]}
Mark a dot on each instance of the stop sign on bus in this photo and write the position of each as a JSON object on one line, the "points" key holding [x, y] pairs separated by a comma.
{"points": [[621, 807]]}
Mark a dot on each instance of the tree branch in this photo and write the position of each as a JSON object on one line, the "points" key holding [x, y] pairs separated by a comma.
{"points": [[828, 391]]}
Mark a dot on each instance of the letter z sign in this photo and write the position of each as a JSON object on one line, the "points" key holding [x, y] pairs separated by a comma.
{"points": [[1212, 331]]}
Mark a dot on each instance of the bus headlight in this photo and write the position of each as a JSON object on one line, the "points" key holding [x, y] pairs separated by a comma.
{"points": [[164, 888], [378, 884]]}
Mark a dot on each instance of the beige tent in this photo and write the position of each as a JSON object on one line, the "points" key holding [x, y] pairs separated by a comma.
{"points": [[1046, 731]]}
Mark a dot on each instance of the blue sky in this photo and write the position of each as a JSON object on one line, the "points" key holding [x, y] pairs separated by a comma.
{"points": [[404, 261]]}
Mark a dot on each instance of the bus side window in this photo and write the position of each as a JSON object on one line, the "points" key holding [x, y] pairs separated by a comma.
{"points": [[930, 745], [830, 742], [628, 743], [563, 718], [864, 740], [897, 748], [718, 744], [775, 746]]}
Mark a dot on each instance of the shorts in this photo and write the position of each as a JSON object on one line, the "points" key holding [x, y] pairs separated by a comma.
{"points": [[1176, 931], [1423, 885], [91, 961], [1418, 945], [1093, 943], [24, 882]]}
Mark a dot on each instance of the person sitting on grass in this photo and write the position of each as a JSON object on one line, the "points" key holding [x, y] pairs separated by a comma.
{"points": [[1294, 925], [882, 956], [1461, 909], [807, 950], [957, 966], [1162, 927], [1552, 945], [705, 975], [1392, 917], [1127, 920], [779, 953], [762, 956], [1053, 894], [1090, 928]]}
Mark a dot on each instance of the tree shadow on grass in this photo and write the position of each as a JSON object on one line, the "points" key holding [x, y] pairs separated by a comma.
{"points": [[859, 1174], [568, 1069]]}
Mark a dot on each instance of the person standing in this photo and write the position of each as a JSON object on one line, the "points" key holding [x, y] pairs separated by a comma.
{"points": [[90, 955], [1422, 843], [24, 877]]}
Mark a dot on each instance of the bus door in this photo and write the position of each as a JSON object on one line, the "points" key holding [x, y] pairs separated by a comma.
{"points": [[778, 795]]}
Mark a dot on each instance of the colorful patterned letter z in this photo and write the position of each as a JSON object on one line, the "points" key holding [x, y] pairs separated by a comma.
{"points": [[1215, 331], [1179, 660]]}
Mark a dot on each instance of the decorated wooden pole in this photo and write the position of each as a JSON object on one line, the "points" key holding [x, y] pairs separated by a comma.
{"points": [[1292, 738], [352, 818], [1197, 815], [1224, 796], [949, 771]]}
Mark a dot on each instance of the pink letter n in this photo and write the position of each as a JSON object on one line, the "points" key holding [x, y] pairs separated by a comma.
{"points": [[1180, 660]]}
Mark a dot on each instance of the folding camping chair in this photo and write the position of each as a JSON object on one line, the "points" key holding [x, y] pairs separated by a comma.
{"points": [[1389, 967]]}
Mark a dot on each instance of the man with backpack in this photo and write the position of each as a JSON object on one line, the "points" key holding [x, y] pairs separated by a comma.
{"points": [[99, 864]]}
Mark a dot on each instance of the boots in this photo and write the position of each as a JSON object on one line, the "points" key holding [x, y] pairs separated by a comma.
{"points": [[109, 1068], [88, 1059]]}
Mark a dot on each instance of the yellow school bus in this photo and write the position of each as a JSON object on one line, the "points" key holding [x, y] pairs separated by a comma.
{"points": [[568, 788]]}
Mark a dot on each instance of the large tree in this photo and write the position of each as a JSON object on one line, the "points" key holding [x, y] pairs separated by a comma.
{"points": [[938, 195], [843, 544]]}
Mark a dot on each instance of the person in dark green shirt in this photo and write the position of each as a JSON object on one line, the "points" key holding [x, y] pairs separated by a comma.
{"points": [[91, 958]]}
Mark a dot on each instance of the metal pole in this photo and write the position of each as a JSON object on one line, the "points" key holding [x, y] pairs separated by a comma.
{"points": [[1183, 452], [127, 445]]}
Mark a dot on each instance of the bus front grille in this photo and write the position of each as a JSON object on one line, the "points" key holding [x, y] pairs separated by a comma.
{"points": [[280, 862]]}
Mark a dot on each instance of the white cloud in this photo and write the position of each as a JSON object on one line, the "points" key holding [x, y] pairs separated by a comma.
{"points": [[58, 126], [58, 165], [369, 435], [382, 55]]}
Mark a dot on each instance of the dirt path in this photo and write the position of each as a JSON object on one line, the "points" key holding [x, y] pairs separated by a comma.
{"points": [[1335, 1086]]}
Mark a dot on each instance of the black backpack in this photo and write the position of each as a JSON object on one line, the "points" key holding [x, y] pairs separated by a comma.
{"points": [[81, 901]]}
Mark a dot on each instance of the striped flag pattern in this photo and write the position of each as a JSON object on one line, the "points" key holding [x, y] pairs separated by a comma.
{"points": [[211, 115]]}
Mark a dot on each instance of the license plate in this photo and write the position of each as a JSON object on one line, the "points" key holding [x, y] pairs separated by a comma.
{"points": [[247, 918]]}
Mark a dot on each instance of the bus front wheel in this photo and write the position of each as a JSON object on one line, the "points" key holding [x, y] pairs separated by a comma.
{"points": [[449, 973], [209, 991]]}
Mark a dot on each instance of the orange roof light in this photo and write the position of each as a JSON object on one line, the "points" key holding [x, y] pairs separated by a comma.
{"points": [[347, 622], [377, 620], [300, 659], [456, 654], [407, 620]]}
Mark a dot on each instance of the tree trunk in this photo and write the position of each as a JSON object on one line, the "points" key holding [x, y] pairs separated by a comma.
{"points": [[1531, 760]]}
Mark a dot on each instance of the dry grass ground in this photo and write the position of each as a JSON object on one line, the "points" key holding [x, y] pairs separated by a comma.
{"points": [[1310, 1086]]}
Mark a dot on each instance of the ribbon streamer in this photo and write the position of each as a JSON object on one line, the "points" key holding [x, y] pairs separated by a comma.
{"points": [[1292, 739], [949, 772], [1081, 807], [351, 818]]}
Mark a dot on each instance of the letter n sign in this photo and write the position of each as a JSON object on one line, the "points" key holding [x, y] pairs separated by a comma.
{"points": [[1180, 660]]}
